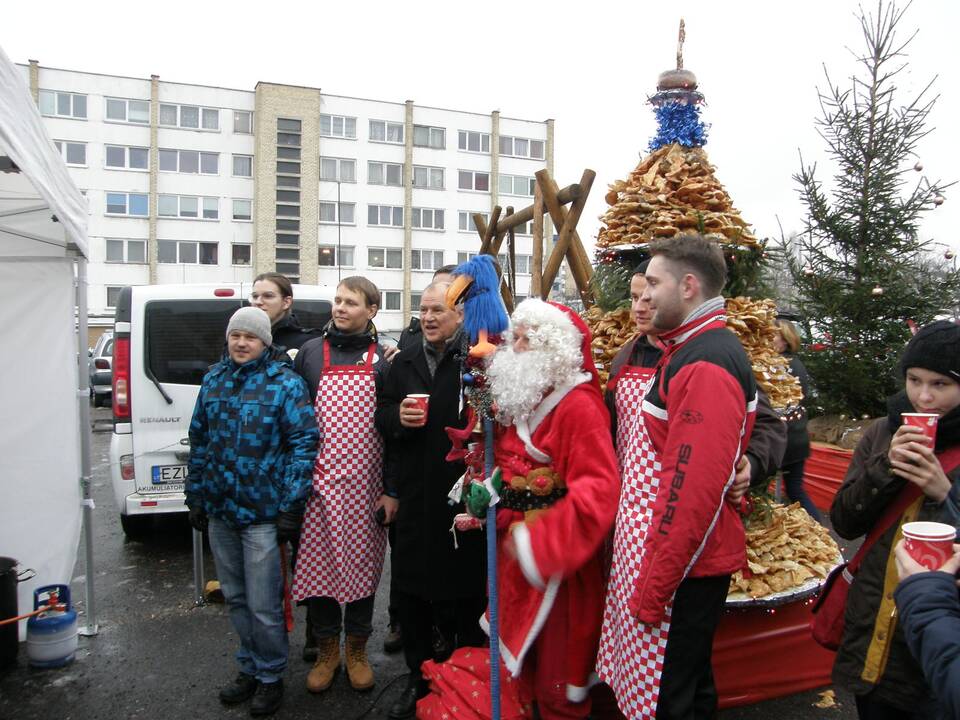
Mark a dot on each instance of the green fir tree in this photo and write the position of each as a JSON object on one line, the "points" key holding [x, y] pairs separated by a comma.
{"points": [[860, 269]]}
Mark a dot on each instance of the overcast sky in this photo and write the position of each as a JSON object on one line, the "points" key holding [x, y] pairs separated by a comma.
{"points": [[590, 66]]}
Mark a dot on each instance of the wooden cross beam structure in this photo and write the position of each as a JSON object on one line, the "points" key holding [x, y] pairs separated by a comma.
{"points": [[547, 198]]}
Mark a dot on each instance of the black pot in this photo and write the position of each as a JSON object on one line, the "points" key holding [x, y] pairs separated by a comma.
{"points": [[9, 578]]}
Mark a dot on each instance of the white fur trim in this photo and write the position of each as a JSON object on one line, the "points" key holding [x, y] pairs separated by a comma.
{"points": [[553, 399], [576, 693], [523, 432], [515, 663], [521, 538]]}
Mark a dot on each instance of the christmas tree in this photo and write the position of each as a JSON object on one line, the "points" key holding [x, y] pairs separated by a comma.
{"points": [[862, 273]]}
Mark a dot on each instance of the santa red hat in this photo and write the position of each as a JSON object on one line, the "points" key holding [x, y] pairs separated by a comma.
{"points": [[573, 331]]}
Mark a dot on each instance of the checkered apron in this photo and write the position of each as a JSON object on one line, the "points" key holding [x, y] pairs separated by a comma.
{"points": [[630, 659], [341, 545]]}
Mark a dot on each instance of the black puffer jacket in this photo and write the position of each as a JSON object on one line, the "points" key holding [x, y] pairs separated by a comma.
{"points": [[798, 440], [289, 334], [867, 490]]}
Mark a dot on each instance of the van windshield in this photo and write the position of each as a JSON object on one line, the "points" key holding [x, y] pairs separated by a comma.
{"points": [[185, 337]]}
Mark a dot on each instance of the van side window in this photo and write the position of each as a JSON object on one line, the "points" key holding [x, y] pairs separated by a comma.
{"points": [[184, 338], [313, 314]]}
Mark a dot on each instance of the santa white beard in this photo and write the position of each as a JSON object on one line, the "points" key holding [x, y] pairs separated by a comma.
{"points": [[520, 380]]}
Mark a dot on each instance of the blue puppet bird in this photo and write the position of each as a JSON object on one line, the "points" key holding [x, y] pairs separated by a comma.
{"points": [[477, 285]]}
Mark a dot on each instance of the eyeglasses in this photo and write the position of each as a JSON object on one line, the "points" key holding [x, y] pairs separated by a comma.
{"points": [[263, 296]]}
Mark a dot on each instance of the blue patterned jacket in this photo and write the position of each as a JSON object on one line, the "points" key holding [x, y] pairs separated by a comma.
{"points": [[253, 441]]}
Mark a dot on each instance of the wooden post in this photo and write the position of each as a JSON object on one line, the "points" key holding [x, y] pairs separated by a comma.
{"points": [[568, 194], [586, 269], [491, 229], [536, 260], [567, 223]]}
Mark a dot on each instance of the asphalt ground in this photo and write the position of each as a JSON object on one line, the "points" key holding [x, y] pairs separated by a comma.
{"points": [[159, 656]]}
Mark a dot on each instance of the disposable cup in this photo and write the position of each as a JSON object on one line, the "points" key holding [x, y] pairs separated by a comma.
{"points": [[929, 543], [423, 402], [925, 421]]}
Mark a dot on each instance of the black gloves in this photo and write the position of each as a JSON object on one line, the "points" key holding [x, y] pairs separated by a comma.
{"points": [[198, 519], [288, 526]]}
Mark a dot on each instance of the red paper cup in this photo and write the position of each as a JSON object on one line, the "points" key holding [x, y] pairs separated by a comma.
{"points": [[929, 543], [925, 421], [423, 402]]}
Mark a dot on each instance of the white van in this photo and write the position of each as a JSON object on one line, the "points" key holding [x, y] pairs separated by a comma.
{"points": [[166, 337]]}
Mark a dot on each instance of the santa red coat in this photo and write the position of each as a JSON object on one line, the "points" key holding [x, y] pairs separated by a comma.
{"points": [[559, 549]]}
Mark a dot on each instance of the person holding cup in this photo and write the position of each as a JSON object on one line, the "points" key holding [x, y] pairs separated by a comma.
{"points": [[899, 474], [929, 609], [439, 578]]}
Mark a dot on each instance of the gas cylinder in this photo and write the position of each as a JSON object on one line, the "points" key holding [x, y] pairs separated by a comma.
{"points": [[52, 635]]}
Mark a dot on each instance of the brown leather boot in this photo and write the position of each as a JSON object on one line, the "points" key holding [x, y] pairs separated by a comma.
{"points": [[358, 668], [325, 668]]}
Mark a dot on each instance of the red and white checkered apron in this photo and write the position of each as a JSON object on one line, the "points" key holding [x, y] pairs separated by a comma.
{"points": [[341, 545], [630, 659]]}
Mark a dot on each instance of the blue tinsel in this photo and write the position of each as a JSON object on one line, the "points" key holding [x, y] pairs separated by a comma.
{"points": [[483, 308], [679, 123]]}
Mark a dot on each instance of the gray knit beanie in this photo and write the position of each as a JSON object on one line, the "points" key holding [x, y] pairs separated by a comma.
{"points": [[252, 320]]}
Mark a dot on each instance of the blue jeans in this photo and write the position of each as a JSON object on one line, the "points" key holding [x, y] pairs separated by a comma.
{"points": [[248, 566]]}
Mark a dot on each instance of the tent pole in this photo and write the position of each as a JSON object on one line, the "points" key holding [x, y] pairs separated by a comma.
{"points": [[83, 404]]}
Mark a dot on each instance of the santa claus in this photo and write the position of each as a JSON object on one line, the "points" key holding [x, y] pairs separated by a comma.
{"points": [[557, 504]]}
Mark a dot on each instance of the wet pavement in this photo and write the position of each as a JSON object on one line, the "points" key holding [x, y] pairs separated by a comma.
{"points": [[159, 656]]}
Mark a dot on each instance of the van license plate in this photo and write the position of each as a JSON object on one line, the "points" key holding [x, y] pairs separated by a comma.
{"points": [[167, 474]]}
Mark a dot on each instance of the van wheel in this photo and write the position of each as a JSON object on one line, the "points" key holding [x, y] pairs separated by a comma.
{"points": [[134, 526]]}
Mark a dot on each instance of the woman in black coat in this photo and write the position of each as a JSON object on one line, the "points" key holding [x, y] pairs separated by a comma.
{"points": [[787, 342]]}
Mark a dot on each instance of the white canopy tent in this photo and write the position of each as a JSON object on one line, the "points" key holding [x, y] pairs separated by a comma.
{"points": [[45, 441]]}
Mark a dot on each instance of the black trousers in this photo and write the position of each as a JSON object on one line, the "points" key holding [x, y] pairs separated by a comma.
{"points": [[870, 708], [457, 620], [393, 608], [687, 691]]}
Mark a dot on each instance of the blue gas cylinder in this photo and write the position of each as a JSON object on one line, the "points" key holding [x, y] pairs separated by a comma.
{"points": [[52, 635]]}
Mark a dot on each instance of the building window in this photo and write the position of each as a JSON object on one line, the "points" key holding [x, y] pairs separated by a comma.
{"points": [[131, 111], [288, 139], [427, 218], [186, 252], [465, 220], [428, 177], [290, 269], [288, 182], [392, 299], [288, 211], [113, 295], [473, 180], [133, 204], [431, 137], [328, 256], [381, 173], [525, 229], [415, 298], [383, 131], [288, 196], [473, 141], [288, 153], [522, 266], [288, 253], [190, 117], [190, 162], [126, 251], [338, 126], [127, 158], [328, 213], [521, 147], [385, 215], [462, 257], [289, 125], [426, 259], [288, 239], [243, 166], [292, 168], [288, 224], [240, 254], [517, 185], [242, 210], [242, 123], [388, 258], [63, 104], [338, 169], [73, 153], [188, 206]]}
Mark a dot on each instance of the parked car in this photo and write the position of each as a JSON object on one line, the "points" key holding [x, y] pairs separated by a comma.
{"points": [[101, 371], [166, 338]]}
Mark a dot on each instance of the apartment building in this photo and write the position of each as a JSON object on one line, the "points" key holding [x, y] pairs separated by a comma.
{"points": [[191, 183]]}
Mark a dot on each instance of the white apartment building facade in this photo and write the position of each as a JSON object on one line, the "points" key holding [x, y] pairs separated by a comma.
{"points": [[190, 183]]}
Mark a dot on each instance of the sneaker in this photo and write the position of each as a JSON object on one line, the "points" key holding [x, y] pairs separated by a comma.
{"points": [[240, 690], [267, 699], [393, 642]]}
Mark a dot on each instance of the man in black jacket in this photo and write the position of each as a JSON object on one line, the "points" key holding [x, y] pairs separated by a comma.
{"points": [[411, 333], [436, 580]]}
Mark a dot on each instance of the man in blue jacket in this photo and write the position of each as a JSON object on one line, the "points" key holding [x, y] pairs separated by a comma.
{"points": [[253, 442], [929, 610]]}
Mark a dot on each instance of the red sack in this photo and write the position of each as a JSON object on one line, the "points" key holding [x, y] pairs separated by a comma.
{"points": [[827, 623]]}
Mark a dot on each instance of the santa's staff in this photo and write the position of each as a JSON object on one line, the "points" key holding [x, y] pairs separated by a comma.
{"points": [[476, 285]]}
